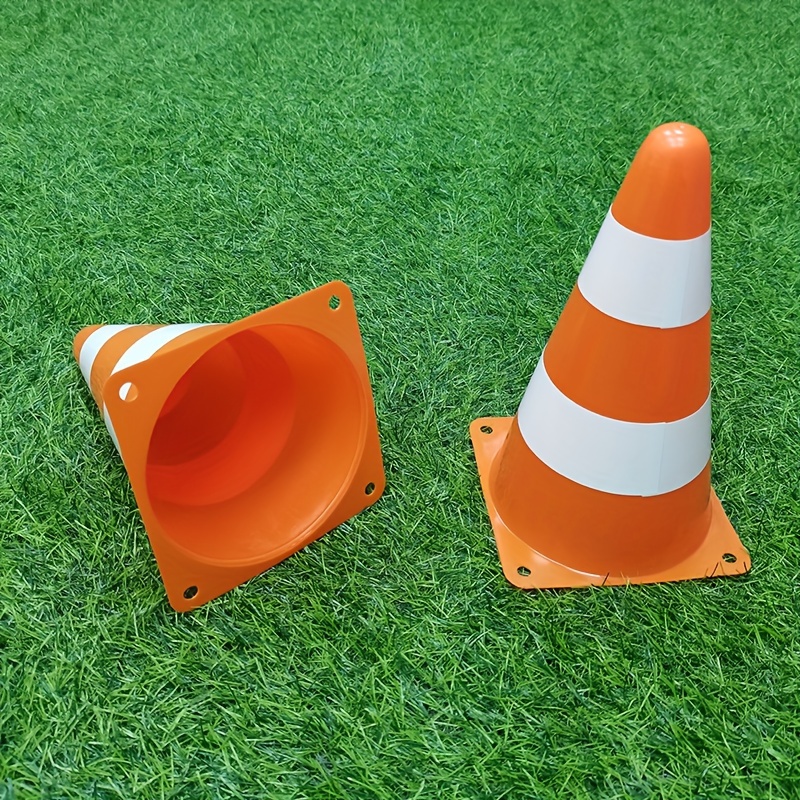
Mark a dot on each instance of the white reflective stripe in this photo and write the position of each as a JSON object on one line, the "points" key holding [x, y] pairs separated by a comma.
{"points": [[152, 342], [629, 458], [140, 351], [91, 347], [111, 430], [660, 283]]}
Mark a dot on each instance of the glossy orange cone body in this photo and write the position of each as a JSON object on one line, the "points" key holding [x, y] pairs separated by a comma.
{"points": [[243, 442], [603, 476]]}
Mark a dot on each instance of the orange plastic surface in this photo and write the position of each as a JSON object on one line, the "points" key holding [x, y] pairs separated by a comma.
{"points": [[674, 161], [246, 442], [625, 371]]}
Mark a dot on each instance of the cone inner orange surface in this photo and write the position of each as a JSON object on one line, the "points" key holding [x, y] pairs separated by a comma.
{"points": [[203, 447], [254, 443]]}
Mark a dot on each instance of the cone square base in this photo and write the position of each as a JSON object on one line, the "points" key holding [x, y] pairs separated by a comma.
{"points": [[720, 554]]}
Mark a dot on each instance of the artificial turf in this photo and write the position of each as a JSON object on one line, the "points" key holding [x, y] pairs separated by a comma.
{"points": [[452, 161]]}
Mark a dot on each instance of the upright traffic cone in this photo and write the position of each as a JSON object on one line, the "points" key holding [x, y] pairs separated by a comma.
{"points": [[243, 442], [603, 476]]}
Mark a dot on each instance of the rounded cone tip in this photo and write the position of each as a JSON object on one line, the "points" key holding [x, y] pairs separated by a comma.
{"points": [[667, 191]]}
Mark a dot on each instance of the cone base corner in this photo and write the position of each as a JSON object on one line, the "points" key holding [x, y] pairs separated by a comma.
{"points": [[191, 582], [721, 554]]}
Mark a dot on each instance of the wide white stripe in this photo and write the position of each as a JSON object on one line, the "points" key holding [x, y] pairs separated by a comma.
{"points": [[629, 458], [660, 283], [152, 342], [91, 347]]}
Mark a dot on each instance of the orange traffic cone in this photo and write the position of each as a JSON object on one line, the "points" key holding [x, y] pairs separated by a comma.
{"points": [[243, 442], [603, 476]]}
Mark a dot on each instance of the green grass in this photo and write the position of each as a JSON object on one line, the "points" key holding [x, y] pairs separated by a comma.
{"points": [[451, 161]]}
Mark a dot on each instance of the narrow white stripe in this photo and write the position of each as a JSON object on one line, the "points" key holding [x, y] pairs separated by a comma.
{"points": [[111, 430], [91, 347], [629, 458], [659, 283], [152, 342]]}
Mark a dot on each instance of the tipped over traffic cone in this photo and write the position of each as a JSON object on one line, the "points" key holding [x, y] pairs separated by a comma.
{"points": [[243, 442], [603, 476]]}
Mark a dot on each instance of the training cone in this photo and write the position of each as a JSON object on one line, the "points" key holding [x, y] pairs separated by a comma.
{"points": [[603, 476], [243, 442]]}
